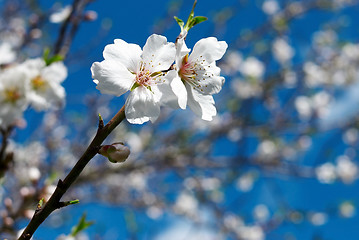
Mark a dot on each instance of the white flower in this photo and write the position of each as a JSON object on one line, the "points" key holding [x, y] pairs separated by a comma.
{"points": [[7, 55], [186, 203], [326, 173], [283, 52], [246, 89], [261, 213], [126, 67], [270, 7], [252, 67], [200, 75], [61, 15], [347, 209], [13, 99], [303, 104], [346, 169], [45, 83], [254, 232]]}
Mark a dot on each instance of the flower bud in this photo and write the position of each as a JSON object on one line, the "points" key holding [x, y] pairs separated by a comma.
{"points": [[90, 15], [116, 152]]}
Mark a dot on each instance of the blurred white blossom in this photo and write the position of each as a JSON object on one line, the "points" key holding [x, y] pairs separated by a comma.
{"points": [[261, 213], [270, 7], [7, 54], [186, 204], [245, 182], [350, 136], [253, 68], [45, 83], [283, 52], [251, 233], [326, 173], [346, 170], [318, 218], [61, 15], [13, 95], [267, 149], [246, 89], [347, 209], [231, 63]]}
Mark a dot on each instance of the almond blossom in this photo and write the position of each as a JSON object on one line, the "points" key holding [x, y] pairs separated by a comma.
{"points": [[13, 95], [61, 15], [200, 75], [143, 72], [7, 54], [45, 83]]}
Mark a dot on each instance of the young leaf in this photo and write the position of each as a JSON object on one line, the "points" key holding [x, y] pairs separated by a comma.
{"points": [[191, 15], [179, 21], [82, 225], [191, 21], [46, 53], [55, 58], [197, 20]]}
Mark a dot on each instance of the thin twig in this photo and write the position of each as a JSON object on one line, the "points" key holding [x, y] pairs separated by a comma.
{"points": [[64, 27], [64, 185]]}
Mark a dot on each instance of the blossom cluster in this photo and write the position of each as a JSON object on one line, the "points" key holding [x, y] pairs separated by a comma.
{"points": [[162, 74], [31, 83]]}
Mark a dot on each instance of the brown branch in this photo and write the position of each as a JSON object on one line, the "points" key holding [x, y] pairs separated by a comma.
{"points": [[63, 186], [64, 27], [5, 159]]}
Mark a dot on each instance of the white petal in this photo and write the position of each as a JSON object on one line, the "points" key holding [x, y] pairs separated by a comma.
{"points": [[38, 102], [141, 106], [57, 72], [61, 15], [56, 93], [210, 81], [181, 51], [158, 54], [172, 92], [201, 105], [33, 67], [209, 49], [7, 55], [12, 115], [179, 89], [128, 54], [113, 78]]}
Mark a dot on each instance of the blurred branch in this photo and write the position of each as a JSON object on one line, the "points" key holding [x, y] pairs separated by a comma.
{"points": [[4, 158], [66, 36]]}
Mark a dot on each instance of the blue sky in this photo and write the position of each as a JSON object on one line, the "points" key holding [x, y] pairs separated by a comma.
{"points": [[133, 22]]}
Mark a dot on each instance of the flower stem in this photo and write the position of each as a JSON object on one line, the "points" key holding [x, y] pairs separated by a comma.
{"points": [[62, 186]]}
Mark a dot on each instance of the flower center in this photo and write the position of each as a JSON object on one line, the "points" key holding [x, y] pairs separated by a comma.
{"points": [[188, 70], [38, 83], [146, 78], [143, 78], [193, 72], [11, 95]]}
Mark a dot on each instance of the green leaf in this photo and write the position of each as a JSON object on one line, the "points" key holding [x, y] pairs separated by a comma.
{"points": [[46, 53], [56, 58], [191, 21], [197, 20], [82, 225], [191, 15], [76, 201], [179, 21], [48, 60]]}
